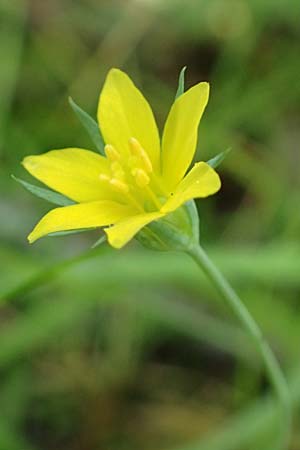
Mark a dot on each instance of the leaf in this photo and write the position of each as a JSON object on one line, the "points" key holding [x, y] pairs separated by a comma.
{"points": [[100, 241], [90, 125], [218, 159], [45, 194], [180, 89]]}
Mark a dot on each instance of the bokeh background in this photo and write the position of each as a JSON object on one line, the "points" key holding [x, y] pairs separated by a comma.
{"points": [[133, 349]]}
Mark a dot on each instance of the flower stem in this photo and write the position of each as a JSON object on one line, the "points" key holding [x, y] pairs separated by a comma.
{"points": [[275, 374]]}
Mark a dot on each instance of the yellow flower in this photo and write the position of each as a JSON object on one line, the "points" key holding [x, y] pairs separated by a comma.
{"points": [[139, 180]]}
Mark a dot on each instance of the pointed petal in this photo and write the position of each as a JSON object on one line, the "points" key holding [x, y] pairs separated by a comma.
{"points": [[200, 182], [73, 172], [180, 133], [123, 113], [83, 215], [122, 232]]}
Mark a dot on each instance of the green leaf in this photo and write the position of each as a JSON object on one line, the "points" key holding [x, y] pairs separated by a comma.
{"points": [[180, 89], [45, 194], [90, 125], [218, 159], [100, 241]]}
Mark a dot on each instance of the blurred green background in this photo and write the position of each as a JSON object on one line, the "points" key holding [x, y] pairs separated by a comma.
{"points": [[133, 349]]}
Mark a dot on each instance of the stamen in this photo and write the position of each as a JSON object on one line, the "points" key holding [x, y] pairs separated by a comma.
{"points": [[123, 188], [117, 170], [111, 153], [141, 178], [138, 150], [119, 185], [153, 197], [126, 177]]}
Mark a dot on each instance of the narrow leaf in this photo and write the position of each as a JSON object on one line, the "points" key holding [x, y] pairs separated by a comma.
{"points": [[100, 241], [180, 89], [45, 194], [218, 159], [90, 125]]}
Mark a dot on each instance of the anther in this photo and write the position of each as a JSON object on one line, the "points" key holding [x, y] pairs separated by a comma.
{"points": [[119, 185], [141, 178], [138, 150], [111, 153]]}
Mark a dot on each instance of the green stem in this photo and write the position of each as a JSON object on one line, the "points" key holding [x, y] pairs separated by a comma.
{"points": [[276, 377]]}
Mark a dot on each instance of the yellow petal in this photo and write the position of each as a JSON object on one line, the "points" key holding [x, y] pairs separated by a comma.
{"points": [[122, 232], [201, 181], [83, 215], [73, 172], [123, 113], [180, 133]]}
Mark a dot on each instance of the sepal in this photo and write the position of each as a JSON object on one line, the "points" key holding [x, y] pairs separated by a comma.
{"points": [[44, 193], [218, 159], [90, 125], [178, 230]]}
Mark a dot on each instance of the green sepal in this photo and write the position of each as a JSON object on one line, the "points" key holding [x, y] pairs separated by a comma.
{"points": [[218, 159], [194, 219], [178, 230], [180, 89], [45, 194], [90, 125], [99, 241], [66, 233]]}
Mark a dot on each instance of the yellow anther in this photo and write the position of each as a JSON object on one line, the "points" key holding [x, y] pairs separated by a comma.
{"points": [[138, 151], [119, 185], [134, 146], [111, 153], [146, 161], [141, 178]]}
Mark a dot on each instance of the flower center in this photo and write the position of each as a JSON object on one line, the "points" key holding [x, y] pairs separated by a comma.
{"points": [[134, 176]]}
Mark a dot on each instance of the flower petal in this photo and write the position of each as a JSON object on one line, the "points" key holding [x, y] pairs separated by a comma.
{"points": [[201, 181], [122, 232], [83, 215], [180, 133], [73, 172], [123, 113]]}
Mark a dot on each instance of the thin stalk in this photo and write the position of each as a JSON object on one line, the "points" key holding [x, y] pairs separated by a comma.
{"points": [[273, 370]]}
